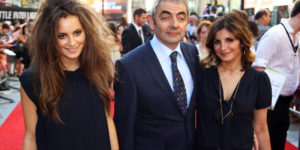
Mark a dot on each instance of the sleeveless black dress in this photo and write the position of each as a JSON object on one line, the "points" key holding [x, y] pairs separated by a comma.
{"points": [[81, 110]]}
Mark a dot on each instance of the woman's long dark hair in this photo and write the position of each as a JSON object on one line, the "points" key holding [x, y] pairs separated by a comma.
{"points": [[94, 59]]}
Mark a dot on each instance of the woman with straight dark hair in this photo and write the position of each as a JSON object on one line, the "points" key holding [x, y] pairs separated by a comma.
{"points": [[122, 25], [65, 93], [233, 96]]}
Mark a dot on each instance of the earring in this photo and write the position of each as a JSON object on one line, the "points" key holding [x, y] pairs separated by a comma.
{"points": [[243, 50]]}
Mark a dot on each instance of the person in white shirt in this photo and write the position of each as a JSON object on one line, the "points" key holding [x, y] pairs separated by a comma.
{"points": [[278, 50], [262, 18], [191, 29]]}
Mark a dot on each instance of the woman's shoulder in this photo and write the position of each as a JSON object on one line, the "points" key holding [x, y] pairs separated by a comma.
{"points": [[257, 73], [260, 76], [27, 83], [27, 75], [263, 86]]}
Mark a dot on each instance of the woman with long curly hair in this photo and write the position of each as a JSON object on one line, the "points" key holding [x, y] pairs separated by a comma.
{"points": [[65, 93]]}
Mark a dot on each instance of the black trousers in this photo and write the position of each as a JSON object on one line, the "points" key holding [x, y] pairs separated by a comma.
{"points": [[279, 122]]}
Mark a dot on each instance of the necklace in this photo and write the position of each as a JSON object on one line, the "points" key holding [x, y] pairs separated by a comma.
{"points": [[229, 113]]}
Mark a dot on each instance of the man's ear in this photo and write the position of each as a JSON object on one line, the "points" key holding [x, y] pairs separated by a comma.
{"points": [[298, 16], [135, 17], [151, 22]]}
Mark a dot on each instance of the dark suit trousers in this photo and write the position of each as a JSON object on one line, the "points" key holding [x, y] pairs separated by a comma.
{"points": [[279, 122]]}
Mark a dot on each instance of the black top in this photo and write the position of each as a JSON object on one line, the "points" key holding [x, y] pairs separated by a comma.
{"points": [[81, 110], [237, 131]]}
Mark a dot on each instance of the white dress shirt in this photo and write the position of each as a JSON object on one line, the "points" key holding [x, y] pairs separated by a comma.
{"points": [[191, 30], [139, 29], [163, 54], [275, 51]]}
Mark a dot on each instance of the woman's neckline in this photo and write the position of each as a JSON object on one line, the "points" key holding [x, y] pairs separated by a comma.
{"points": [[75, 70]]}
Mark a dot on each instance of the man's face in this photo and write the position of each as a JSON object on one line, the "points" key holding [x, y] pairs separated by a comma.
{"points": [[5, 31], [267, 18], [170, 23], [140, 20], [193, 20]]}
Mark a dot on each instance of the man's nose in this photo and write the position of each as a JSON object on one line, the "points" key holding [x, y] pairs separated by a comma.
{"points": [[174, 22]]}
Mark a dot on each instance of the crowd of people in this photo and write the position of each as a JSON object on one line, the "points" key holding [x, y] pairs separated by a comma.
{"points": [[180, 81], [14, 53], [14, 37]]}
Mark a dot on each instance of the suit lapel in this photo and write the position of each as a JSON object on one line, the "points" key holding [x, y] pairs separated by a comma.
{"points": [[190, 61], [154, 66]]}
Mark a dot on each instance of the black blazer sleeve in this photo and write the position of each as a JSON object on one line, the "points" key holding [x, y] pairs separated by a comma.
{"points": [[130, 39], [125, 106], [127, 42]]}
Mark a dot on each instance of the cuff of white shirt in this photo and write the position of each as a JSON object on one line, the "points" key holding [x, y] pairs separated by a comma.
{"points": [[260, 63]]}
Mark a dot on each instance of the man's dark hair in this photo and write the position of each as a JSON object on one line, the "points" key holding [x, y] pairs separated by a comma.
{"points": [[157, 3], [296, 9], [5, 26], [139, 12], [193, 13], [214, 9], [260, 14], [253, 28]]}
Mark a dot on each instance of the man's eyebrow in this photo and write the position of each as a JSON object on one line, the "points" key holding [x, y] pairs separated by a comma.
{"points": [[167, 12], [164, 12], [181, 13]]}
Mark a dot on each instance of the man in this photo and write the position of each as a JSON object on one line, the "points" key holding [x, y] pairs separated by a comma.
{"points": [[133, 35], [6, 30], [191, 32], [263, 18], [213, 11], [278, 51], [155, 87]]}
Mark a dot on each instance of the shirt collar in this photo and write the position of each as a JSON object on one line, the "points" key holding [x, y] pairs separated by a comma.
{"points": [[290, 30], [163, 50], [136, 26], [287, 26]]}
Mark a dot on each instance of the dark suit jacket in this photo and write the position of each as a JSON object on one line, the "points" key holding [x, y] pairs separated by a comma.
{"points": [[147, 115], [131, 38]]}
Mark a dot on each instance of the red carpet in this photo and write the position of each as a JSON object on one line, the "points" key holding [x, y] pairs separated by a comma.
{"points": [[112, 108], [12, 131], [289, 146]]}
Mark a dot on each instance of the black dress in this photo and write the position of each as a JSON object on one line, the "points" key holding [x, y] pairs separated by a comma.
{"points": [[236, 133], [81, 110]]}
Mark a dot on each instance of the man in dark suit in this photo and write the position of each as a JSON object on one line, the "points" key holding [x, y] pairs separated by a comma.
{"points": [[155, 86], [133, 35]]}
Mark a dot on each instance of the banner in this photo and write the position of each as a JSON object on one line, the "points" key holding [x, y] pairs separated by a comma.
{"points": [[16, 13]]}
